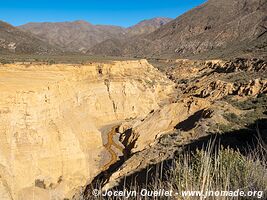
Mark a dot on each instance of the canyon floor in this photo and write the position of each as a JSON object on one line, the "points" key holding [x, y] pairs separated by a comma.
{"points": [[67, 128]]}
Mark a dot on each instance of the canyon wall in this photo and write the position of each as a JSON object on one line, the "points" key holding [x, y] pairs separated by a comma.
{"points": [[52, 119], [212, 97]]}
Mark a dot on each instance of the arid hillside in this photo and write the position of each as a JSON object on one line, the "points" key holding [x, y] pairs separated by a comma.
{"points": [[219, 28], [14, 40], [73, 36], [79, 36], [147, 26]]}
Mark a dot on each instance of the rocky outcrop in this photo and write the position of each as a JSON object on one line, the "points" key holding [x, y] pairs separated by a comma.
{"points": [[239, 64], [145, 131], [215, 79], [218, 89], [54, 117], [202, 108], [142, 135]]}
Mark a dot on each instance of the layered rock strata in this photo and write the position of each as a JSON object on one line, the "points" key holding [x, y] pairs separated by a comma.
{"points": [[52, 118]]}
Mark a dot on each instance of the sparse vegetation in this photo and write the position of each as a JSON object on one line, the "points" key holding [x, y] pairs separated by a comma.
{"points": [[255, 109], [214, 168], [4, 61], [252, 103], [241, 77], [51, 62], [64, 58], [224, 170]]}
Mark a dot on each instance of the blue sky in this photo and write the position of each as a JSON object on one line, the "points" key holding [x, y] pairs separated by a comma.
{"points": [[117, 12]]}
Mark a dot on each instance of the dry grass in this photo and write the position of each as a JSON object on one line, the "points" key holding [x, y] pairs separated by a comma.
{"points": [[221, 170], [213, 168]]}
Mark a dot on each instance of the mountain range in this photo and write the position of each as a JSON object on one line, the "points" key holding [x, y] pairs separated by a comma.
{"points": [[217, 28], [220, 27], [79, 36]]}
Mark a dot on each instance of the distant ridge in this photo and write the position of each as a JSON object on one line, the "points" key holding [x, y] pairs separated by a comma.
{"points": [[79, 36]]}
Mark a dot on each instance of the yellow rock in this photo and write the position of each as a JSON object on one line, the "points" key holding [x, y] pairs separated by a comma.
{"points": [[51, 117]]}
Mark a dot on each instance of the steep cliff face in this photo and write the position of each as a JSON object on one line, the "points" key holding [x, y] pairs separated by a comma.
{"points": [[52, 120], [213, 96]]}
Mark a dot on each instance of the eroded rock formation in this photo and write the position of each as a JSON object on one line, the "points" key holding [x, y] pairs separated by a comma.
{"points": [[53, 118], [202, 107], [63, 126]]}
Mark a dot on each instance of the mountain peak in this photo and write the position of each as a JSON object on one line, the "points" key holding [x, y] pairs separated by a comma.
{"points": [[81, 22], [154, 21], [148, 25]]}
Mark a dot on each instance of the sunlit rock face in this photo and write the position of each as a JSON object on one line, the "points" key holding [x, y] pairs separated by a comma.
{"points": [[51, 118]]}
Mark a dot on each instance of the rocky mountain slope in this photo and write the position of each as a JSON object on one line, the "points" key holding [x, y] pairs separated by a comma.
{"points": [[147, 26], [13, 40], [79, 36], [73, 36], [226, 27]]}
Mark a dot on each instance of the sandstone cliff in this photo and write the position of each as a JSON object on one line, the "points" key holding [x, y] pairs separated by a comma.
{"points": [[53, 119], [64, 126], [213, 96]]}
